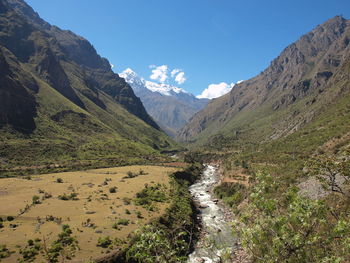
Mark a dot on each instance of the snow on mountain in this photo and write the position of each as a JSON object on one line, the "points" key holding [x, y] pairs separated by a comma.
{"points": [[138, 83]]}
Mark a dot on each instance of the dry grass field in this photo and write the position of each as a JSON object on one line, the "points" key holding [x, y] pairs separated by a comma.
{"points": [[90, 217]]}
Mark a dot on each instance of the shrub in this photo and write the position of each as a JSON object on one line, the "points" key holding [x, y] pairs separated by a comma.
{"points": [[36, 199], [231, 193], [1, 225], [130, 175], [71, 196], [59, 180], [149, 195], [126, 200], [10, 218], [138, 214], [30, 242], [127, 212], [30, 251], [289, 228], [113, 189], [4, 252], [64, 246], [123, 222], [104, 242]]}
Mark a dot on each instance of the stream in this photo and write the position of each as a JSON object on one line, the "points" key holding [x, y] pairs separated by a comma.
{"points": [[216, 241]]}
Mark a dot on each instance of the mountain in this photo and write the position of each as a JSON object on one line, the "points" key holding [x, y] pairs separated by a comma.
{"points": [[300, 102], [171, 107], [59, 100]]}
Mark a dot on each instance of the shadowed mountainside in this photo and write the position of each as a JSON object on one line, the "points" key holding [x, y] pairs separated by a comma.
{"points": [[59, 99]]}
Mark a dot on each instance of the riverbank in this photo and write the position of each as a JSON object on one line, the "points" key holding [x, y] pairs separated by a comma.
{"points": [[171, 237]]}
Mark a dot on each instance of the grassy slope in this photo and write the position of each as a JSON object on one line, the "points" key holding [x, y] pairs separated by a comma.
{"points": [[266, 136], [111, 133]]}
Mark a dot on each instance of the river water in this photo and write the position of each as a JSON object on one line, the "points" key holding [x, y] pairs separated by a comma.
{"points": [[217, 240]]}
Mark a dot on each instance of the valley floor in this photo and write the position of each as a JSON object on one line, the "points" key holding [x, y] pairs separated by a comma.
{"points": [[98, 205]]}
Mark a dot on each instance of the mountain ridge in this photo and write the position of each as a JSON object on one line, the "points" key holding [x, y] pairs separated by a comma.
{"points": [[303, 71]]}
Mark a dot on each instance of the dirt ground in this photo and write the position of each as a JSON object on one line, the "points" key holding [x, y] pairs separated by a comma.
{"points": [[95, 205]]}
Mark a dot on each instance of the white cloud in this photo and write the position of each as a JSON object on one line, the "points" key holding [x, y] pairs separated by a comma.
{"points": [[215, 90], [180, 78], [174, 72], [159, 73], [112, 66]]}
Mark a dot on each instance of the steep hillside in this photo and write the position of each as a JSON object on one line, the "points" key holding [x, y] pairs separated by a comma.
{"points": [[171, 107], [60, 101], [308, 84]]}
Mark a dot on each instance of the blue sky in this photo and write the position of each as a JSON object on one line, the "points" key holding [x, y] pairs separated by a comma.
{"points": [[211, 41]]}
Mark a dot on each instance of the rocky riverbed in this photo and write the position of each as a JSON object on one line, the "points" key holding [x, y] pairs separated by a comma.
{"points": [[217, 242]]}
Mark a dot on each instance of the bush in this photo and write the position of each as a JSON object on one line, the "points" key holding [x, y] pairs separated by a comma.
{"points": [[10, 218], [126, 200], [231, 193], [4, 252], [36, 200], [65, 245], [130, 175], [289, 228], [71, 196], [123, 222], [139, 215], [127, 211], [113, 189], [59, 180], [1, 225], [104, 242], [149, 195]]}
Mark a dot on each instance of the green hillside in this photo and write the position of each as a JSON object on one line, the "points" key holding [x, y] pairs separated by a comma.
{"points": [[61, 105]]}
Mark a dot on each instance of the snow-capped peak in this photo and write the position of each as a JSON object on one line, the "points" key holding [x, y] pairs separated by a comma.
{"points": [[137, 82]]}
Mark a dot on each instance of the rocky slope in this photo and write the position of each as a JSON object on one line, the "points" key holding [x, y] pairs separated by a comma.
{"points": [[303, 84], [171, 107], [59, 99]]}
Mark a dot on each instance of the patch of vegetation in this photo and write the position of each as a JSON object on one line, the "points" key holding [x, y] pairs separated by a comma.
{"points": [[104, 242], [151, 194], [171, 238], [71, 196], [126, 200], [59, 180], [139, 214], [290, 228], [231, 193], [31, 250], [4, 252], [36, 200], [120, 222], [113, 189], [64, 247]]}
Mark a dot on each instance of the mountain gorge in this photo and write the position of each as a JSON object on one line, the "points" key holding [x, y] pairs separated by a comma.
{"points": [[170, 106], [307, 84], [59, 99]]}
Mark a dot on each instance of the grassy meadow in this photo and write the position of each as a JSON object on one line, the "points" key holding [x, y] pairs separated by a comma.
{"points": [[100, 207]]}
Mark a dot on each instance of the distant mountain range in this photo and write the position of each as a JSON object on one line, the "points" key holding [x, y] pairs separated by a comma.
{"points": [[60, 101], [171, 107], [301, 99]]}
